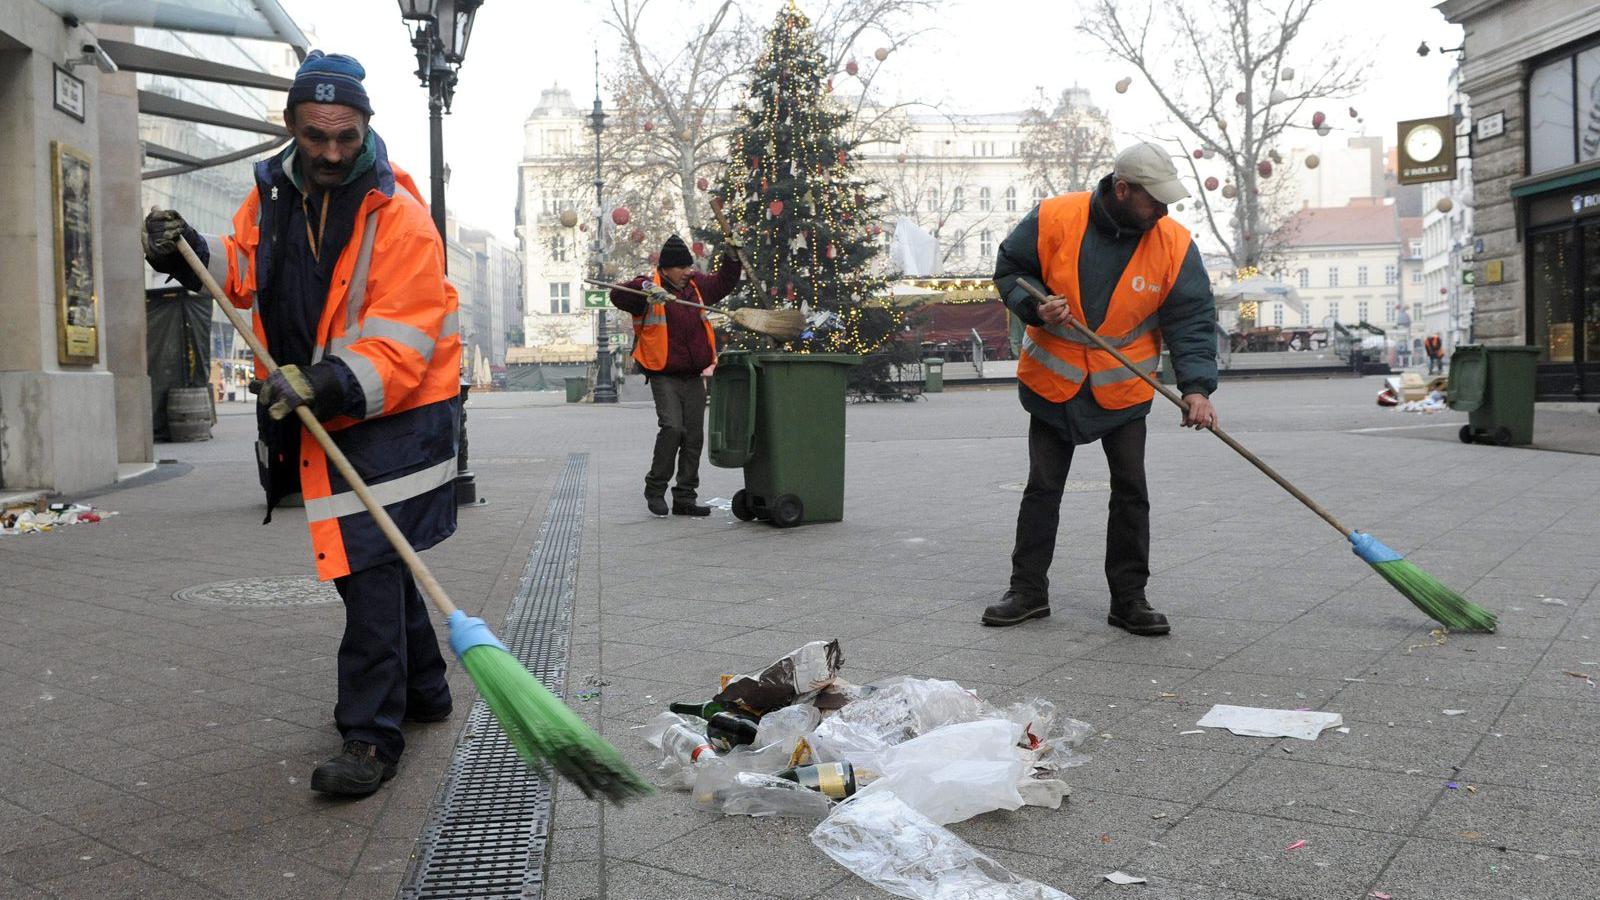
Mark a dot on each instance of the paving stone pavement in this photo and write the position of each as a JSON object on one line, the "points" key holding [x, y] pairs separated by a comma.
{"points": [[158, 748]]}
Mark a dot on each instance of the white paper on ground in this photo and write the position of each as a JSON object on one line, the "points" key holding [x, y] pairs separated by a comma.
{"points": [[1252, 721], [1121, 877]]}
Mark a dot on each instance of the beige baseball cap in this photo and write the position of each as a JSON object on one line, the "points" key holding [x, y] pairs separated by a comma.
{"points": [[1150, 167]]}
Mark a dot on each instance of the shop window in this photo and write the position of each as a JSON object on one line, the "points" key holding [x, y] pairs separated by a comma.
{"points": [[1552, 295], [1591, 292]]}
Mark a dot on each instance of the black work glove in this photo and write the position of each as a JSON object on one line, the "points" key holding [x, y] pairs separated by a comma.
{"points": [[162, 228], [291, 386]]}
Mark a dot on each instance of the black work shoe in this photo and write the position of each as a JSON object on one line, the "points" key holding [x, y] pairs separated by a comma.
{"points": [[658, 506], [1136, 617], [690, 509], [1015, 608], [356, 772], [425, 715]]}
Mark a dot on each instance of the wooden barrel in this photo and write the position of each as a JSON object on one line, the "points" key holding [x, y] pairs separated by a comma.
{"points": [[189, 414]]}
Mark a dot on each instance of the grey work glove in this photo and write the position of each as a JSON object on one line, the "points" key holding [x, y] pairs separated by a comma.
{"points": [[657, 293], [291, 386], [162, 228]]}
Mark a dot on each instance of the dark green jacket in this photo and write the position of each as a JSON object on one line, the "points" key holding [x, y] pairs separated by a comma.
{"points": [[1187, 316]]}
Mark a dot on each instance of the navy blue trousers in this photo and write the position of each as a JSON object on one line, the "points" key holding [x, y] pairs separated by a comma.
{"points": [[389, 660]]}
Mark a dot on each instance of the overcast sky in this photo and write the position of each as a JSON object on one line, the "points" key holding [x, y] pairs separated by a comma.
{"points": [[975, 60]]}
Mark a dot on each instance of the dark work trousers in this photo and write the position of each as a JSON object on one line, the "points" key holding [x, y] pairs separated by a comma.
{"points": [[1127, 530], [389, 659], [681, 413]]}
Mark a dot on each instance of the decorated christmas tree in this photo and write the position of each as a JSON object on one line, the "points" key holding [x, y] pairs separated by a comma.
{"points": [[791, 194]]}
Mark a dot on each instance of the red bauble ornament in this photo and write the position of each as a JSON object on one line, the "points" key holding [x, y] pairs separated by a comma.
{"points": [[583, 226], [620, 215], [649, 125], [1239, 98], [1353, 113], [1198, 153], [843, 157], [788, 291], [702, 183], [698, 249], [1317, 119], [831, 252], [851, 67], [637, 237], [1211, 183], [1265, 168], [876, 230], [775, 208]]}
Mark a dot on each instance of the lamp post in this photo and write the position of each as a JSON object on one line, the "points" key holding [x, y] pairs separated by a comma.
{"points": [[605, 390], [440, 30]]}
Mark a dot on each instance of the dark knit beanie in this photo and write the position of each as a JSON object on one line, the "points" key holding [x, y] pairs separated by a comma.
{"points": [[330, 78], [675, 253]]}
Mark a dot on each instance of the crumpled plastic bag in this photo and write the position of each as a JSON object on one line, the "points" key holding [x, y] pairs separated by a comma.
{"points": [[786, 725], [892, 712], [955, 772], [890, 845], [792, 677], [737, 793]]}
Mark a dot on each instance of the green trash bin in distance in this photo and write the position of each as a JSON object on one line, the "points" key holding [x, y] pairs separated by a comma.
{"points": [[577, 386], [780, 416], [933, 375], [1494, 385]]}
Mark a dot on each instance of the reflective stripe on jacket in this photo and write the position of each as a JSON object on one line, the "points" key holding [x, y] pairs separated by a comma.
{"points": [[1055, 361], [391, 317], [650, 331]]}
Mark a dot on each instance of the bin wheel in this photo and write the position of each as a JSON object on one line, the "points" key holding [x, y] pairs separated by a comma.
{"points": [[1502, 436], [1466, 434], [787, 511], [741, 506]]}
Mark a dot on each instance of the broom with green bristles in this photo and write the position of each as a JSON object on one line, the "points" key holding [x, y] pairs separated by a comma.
{"points": [[537, 723], [1427, 593]]}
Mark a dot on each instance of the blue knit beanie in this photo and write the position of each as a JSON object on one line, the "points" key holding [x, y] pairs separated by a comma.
{"points": [[330, 78]]}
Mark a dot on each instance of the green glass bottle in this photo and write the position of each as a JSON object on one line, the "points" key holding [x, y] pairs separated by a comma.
{"points": [[836, 780], [704, 710], [727, 730]]}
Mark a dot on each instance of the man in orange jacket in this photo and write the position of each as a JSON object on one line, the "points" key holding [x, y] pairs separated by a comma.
{"points": [[1112, 260], [335, 256]]}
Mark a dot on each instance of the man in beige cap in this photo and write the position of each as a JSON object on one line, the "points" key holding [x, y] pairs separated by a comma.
{"points": [[1112, 260]]}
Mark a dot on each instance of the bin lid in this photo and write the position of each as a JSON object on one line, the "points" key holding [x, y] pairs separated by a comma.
{"points": [[840, 359], [933, 360], [1469, 374]]}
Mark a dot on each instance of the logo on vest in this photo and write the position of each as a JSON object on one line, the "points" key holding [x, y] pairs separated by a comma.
{"points": [[1140, 285]]}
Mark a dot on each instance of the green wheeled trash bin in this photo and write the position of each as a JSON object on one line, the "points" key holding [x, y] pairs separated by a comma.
{"points": [[933, 375], [1494, 385], [577, 386], [780, 417]]}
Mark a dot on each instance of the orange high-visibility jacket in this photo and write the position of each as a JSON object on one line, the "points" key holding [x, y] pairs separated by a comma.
{"points": [[391, 317], [1434, 345], [650, 331], [1055, 361]]}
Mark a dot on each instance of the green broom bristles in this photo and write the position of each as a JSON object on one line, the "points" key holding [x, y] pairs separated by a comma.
{"points": [[536, 722], [1425, 592]]}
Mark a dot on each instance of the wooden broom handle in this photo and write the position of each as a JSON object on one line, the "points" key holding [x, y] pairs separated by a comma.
{"points": [[1172, 395], [628, 290], [419, 570]]}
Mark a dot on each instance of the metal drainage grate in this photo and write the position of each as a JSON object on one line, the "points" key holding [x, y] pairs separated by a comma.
{"points": [[487, 833], [286, 590], [1071, 487]]}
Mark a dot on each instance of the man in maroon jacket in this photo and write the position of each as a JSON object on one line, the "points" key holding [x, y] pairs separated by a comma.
{"points": [[673, 345]]}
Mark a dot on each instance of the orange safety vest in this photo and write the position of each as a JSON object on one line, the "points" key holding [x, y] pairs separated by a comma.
{"points": [[391, 317], [650, 331], [1055, 361], [1433, 344]]}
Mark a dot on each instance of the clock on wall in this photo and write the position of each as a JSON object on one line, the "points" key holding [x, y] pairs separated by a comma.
{"points": [[1426, 154]]}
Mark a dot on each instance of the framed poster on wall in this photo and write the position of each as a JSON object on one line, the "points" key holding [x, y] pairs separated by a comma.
{"points": [[77, 301]]}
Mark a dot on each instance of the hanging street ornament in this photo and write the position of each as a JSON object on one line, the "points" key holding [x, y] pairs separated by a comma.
{"points": [[900, 158], [1286, 75], [1222, 123], [649, 125], [1275, 156], [1353, 113], [1277, 96], [569, 217], [851, 67], [1211, 183], [880, 54], [685, 135], [775, 208], [843, 157], [831, 252], [583, 226], [797, 243], [620, 215], [1123, 85], [1312, 161], [876, 230], [1179, 207], [638, 236], [1445, 204], [1230, 191], [702, 183], [1324, 129], [697, 248], [1199, 154], [1317, 118], [1210, 153], [666, 204], [1239, 98]]}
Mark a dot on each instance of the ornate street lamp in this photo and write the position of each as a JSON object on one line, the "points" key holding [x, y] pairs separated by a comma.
{"points": [[605, 390], [439, 33]]}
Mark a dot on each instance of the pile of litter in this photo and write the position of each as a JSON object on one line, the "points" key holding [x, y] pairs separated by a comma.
{"points": [[40, 517], [884, 766], [1409, 393]]}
